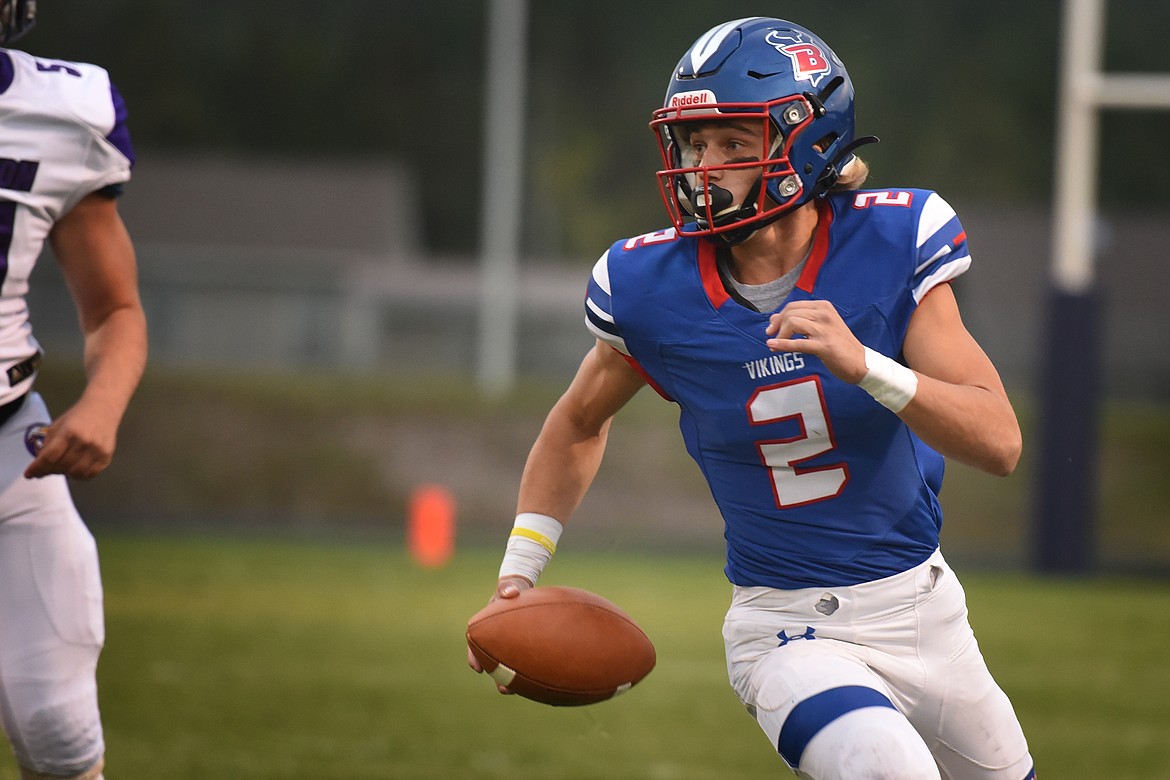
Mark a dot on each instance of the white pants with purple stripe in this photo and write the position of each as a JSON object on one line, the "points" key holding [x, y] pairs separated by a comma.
{"points": [[878, 680]]}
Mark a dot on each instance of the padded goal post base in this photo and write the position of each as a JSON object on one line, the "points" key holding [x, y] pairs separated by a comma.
{"points": [[1068, 405]]}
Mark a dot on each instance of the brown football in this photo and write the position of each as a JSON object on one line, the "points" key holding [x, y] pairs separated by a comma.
{"points": [[560, 646]]}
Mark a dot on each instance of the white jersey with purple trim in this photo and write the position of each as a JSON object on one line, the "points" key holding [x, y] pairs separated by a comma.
{"points": [[818, 484], [62, 136]]}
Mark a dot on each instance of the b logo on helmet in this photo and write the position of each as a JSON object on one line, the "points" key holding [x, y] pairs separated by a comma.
{"points": [[809, 62]]}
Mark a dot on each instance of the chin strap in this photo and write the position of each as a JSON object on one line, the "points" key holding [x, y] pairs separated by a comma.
{"points": [[739, 235]]}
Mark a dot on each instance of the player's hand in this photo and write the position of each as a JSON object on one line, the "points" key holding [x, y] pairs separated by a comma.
{"points": [[816, 328], [506, 588], [79, 444]]}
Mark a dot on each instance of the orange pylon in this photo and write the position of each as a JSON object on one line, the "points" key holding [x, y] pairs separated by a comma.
{"points": [[431, 526]]}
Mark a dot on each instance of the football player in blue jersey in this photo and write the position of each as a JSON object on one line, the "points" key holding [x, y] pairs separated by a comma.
{"points": [[64, 154], [807, 330]]}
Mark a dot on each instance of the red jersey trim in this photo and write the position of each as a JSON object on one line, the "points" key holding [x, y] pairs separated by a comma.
{"points": [[709, 273], [820, 248], [634, 364]]}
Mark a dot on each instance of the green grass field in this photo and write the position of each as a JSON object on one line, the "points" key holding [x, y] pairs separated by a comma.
{"points": [[270, 658]]}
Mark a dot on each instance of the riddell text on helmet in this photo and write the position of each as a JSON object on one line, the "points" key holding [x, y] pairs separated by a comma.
{"points": [[697, 98]]}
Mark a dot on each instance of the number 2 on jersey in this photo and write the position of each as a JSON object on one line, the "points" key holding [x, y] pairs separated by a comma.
{"points": [[803, 402]]}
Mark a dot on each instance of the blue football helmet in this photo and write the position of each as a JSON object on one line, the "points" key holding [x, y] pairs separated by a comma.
{"points": [[16, 18], [785, 77]]}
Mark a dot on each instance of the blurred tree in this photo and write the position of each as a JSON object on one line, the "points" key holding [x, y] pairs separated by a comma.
{"points": [[963, 95]]}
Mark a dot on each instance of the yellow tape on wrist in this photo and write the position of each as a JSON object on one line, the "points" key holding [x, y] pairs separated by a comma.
{"points": [[531, 545], [537, 537]]}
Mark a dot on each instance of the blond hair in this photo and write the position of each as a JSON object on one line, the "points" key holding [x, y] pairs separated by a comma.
{"points": [[852, 176]]}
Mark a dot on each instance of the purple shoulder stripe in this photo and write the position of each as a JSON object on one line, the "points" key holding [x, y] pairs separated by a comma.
{"points": [[120, 135], [7, 73]]}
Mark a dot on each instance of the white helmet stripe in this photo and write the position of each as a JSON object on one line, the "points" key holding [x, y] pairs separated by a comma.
{"points": [[711, 40]]}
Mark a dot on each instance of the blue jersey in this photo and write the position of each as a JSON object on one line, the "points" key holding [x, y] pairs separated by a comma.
{"points": [[818, 484]]}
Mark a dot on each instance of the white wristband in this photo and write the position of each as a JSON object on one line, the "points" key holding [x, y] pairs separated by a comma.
{"points": [[530, 546], [890, 383]]}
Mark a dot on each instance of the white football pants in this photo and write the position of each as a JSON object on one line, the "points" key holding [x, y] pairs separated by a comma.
{"points": [[878, 680], [51, 627]]}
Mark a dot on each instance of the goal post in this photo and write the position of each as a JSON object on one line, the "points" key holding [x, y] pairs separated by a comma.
{"points": [[505, 93], [1064, 538]]}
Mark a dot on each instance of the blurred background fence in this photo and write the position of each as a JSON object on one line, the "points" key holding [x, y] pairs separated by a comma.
{"points": [[319, 267]]}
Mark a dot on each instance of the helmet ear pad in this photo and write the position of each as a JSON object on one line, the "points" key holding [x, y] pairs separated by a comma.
{"points": [[811, 160]]}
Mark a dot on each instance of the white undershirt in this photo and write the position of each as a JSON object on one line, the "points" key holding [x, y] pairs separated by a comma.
{"points": [[768, 296]]}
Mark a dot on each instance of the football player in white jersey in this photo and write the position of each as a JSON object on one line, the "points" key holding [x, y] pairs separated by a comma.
{"points": [[808, 333], [64, 154]]}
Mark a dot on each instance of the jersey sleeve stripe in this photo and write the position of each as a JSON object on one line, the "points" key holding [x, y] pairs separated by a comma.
{"points": [[601, 273], [943, 238], [942, 247], [119, 135], [945, 273], [612, 339], [941, 253], [597, 312], [936, 214], [600, 322], [598, 307]]}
